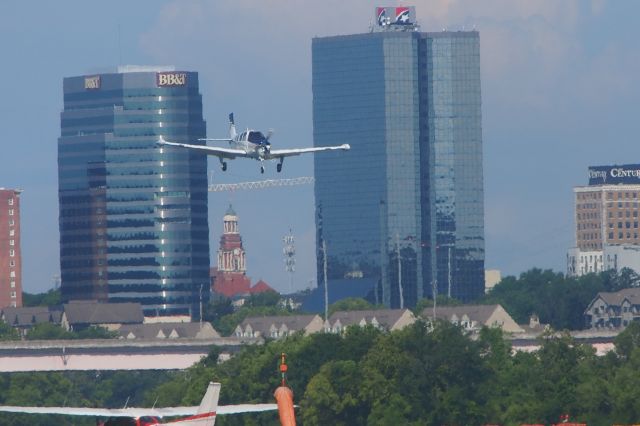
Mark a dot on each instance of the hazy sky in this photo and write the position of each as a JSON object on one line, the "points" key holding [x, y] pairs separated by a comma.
{"points": [[559, 93]]}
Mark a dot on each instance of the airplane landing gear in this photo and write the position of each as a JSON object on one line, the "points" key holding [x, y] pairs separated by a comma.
{"points": [[261, 169], [279, 167], [224, 166]]}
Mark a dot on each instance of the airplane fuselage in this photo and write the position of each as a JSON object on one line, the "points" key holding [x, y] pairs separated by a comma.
{"points": [[253, 143]]}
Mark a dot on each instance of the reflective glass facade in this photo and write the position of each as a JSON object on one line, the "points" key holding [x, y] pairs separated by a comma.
{"points": [[405, 204], [133, 216]]}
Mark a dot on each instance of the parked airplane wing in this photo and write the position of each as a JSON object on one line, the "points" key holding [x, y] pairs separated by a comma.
{"points": [[246, 408], [209, 150], [281, 153], [102, 412], [208, 406], [137, 412]]}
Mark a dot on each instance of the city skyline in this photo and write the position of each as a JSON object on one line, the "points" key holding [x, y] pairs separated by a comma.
{"points": [[558, 84]]}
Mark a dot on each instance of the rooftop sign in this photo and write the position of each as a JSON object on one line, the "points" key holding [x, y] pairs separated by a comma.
{"points": [[613, 175], [171, 79], [395, 17], [92, 82]]}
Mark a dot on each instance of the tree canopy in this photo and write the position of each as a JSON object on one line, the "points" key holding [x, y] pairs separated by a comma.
{"points": [[557, 300]]}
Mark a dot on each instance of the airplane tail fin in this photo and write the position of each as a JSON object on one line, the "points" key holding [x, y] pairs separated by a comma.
{"points": [[232, 127], [206, 413]]}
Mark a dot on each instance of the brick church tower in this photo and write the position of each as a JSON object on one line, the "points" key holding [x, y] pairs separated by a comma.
{"points": [[229, 279]]}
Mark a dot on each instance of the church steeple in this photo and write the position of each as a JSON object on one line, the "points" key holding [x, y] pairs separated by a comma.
{"points": [[231, 256]]}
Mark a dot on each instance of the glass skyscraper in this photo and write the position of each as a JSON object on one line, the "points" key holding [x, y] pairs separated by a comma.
{"points": [[133, 215], [404, 207]]}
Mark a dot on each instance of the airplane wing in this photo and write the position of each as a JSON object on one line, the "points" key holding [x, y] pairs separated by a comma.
{"points": [[281, 153], [138, 412], [209, 150], [246, 408], [216, 139]]}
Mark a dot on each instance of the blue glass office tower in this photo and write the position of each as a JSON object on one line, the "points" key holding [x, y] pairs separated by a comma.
{"points": [[404, 207], [133, 216]]}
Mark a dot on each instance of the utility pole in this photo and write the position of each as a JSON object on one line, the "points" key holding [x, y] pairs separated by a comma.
{"points": [[326, 290], [201, 306], [399, 271], [449, 273], [434, 291]]}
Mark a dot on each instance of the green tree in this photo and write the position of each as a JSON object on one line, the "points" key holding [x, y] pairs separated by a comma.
{"points": [[333, 396], [557, 300], [628, 340], [625, 393], [96, 332], [50, 298], [266, 298], [7, 332], [48, 331], [217, 309], [351, 304], [440, 301]]}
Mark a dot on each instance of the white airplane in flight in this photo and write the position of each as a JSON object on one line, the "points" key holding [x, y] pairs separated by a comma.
{"points": [[250, 144], [202, 415]]}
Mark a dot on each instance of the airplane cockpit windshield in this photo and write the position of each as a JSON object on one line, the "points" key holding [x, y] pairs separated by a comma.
{"points": [[256, 137]]}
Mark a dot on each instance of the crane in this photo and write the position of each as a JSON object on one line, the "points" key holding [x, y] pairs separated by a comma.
{"points": [[260, 184]]}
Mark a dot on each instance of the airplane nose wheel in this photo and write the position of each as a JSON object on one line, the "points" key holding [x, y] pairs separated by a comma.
{"points": [[261, 169]]}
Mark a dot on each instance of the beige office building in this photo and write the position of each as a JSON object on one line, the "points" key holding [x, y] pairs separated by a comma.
{"points": [[606, 214]]}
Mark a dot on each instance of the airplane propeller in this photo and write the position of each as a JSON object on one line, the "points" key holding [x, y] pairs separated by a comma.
{"points": [[269, 133], [265, 148]]}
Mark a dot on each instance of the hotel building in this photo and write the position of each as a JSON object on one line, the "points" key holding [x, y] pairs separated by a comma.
{"points": [[10, 256]]}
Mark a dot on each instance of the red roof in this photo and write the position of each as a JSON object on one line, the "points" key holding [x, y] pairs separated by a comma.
{"points": [[261, 287], [231, 285]]}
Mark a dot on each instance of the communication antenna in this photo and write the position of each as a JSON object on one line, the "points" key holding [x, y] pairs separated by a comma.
{"points": [[56, 281], [289, 252], [119, 46]]}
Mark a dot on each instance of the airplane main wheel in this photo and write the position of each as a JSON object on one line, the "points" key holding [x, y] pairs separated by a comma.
{"points": [[224, 166], [279, 167]]}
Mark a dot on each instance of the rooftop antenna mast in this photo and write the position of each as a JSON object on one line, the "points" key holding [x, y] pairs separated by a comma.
{"points": [[289, 252]]}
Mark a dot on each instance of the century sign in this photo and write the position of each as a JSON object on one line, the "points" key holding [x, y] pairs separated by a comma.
{"points": [[171, 79], [611, 175], [92, 82]]}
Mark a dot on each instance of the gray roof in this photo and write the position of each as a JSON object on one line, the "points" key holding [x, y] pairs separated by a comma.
{"points": [[90, 312], [181, 330], [28, 316], [264, 323], [633, 294], [385, 317], [478, 313]]}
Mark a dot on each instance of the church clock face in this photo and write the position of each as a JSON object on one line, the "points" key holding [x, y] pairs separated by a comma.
{"points": [[236, 251]]}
